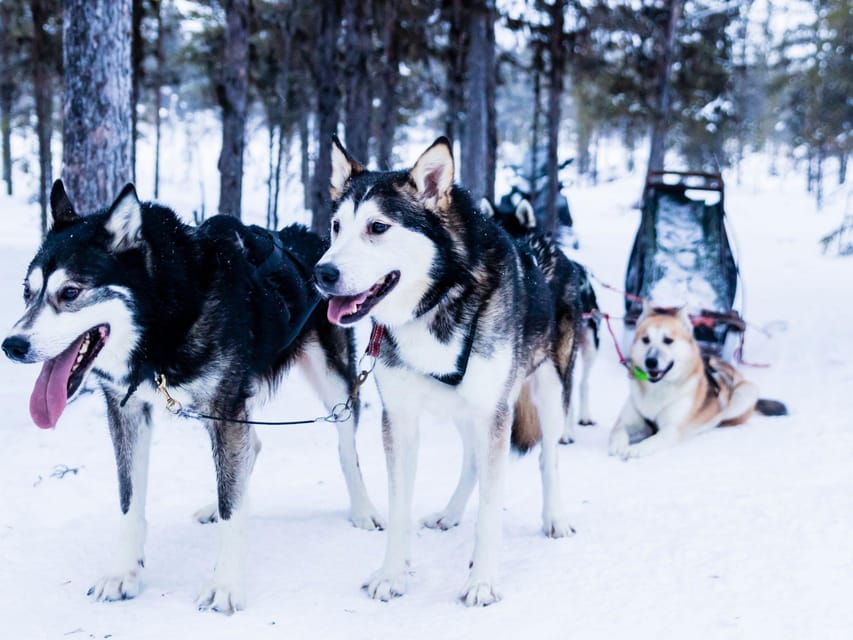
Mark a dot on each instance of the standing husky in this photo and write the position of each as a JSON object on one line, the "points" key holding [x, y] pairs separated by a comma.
{"points": [[575, 305], [675, 394], [468, 329], [222, 311]]}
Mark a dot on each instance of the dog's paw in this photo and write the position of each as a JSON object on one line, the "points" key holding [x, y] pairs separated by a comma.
{"points": [[120, 586], [619, 443], [586, 422], [443, 520], [479, 593], [208, 514], [221, 598], [385, 585], [367, 518], [557, 527], [566, 439]]}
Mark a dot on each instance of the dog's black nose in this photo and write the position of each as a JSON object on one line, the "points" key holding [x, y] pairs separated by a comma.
{"points": [[651, 364], [327, 274], [16, 347]]}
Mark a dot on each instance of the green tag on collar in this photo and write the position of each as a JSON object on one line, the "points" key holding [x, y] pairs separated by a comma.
{"points": [[639, 374]]}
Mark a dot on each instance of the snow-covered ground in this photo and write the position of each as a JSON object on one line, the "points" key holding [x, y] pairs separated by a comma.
{"points": [[739, 533]]}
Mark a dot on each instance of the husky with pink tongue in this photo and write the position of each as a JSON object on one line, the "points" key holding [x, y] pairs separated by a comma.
{"points": [[222, 311], [467, 330]]}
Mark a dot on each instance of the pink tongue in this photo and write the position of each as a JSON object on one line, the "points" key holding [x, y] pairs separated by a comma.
{"points": [[50, 393], [341, 306]]}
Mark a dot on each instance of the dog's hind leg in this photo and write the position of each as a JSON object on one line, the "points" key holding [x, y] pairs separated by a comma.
{"points": [[546, 390], [490, 437], [450, 516], [130, 429], [209, 513], [589, 352], [234, 453], [333, 389]]}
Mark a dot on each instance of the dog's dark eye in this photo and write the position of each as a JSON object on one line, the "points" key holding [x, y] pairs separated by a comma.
{"points": [[336, 226], [378, 228], [667, 340], [67, 294], [646, 340]]}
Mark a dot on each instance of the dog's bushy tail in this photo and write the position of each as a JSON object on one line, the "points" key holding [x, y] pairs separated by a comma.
{"points": [[767, 407], [526, 431]]}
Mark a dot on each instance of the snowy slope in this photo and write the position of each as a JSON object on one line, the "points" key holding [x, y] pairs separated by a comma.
{"points": [[740, 533]]}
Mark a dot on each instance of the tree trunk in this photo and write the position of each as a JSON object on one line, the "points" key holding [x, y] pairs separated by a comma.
{"points": [[534, 129], [97, 147], [232, 93], [491, 110], [390, 77], [455, 71], [665, 53], [555, 92], [327, 113], [7, 91], [277, 184], [357, 17], [475, 134], [43, 98], [842, 167], [305, 159], [137, 53], [158, 97]]}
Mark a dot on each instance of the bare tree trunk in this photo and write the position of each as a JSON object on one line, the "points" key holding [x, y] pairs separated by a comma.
{"points": [[457, 46], [357, 17], [232, 93], [555, 91], [271, 127], [158, 97], [7, 91], [390, 77], [534, 129], [97, 146], [842, 167], [665, 53], [475, 134], [43, 97], [278, 163], [327, 113], [491, 110], [137, 53], [305, 158]]}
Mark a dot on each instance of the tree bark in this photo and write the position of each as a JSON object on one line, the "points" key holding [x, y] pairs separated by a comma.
{"points": [[390, 78], [455, 71], [665, 53], [158, 97], [137, 53], [326, 83], [305, 159], [556, 51], [232, 93], [479, 66], [97, 146], [534, 129], [43, 98], [7, 91], [491, 110], [357, 16]]}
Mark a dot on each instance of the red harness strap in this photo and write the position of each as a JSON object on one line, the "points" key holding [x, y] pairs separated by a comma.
{"points": [[375, 340]]}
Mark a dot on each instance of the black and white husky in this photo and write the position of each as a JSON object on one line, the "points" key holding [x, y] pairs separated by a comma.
{"points": [[575, 305], [222, 311], [467, 329]]}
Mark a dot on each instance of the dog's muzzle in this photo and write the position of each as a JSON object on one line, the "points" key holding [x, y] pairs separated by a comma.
{"points": [[17, 348]]}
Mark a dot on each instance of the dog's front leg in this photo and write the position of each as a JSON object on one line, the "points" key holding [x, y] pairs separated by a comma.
{"points": [[234, 454], [628, 424], [130, 429], [400, 438], [491, 445]]}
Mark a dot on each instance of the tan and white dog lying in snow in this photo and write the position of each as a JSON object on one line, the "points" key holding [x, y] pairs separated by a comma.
{"points": [[675, 393]]}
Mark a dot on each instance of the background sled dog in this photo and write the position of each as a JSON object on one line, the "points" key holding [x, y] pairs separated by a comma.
{"points": [[674, 393], [468, 328], [222, 310], [573, 297]]}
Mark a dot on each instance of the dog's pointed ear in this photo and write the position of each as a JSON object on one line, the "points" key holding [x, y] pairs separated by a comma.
{"points": [[344, 167], [60, 206], [124, 220], [524, 214], [487, 209], [433, 175]]}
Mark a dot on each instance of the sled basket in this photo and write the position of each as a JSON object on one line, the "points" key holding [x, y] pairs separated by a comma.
{"points": [[682, 256]]}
